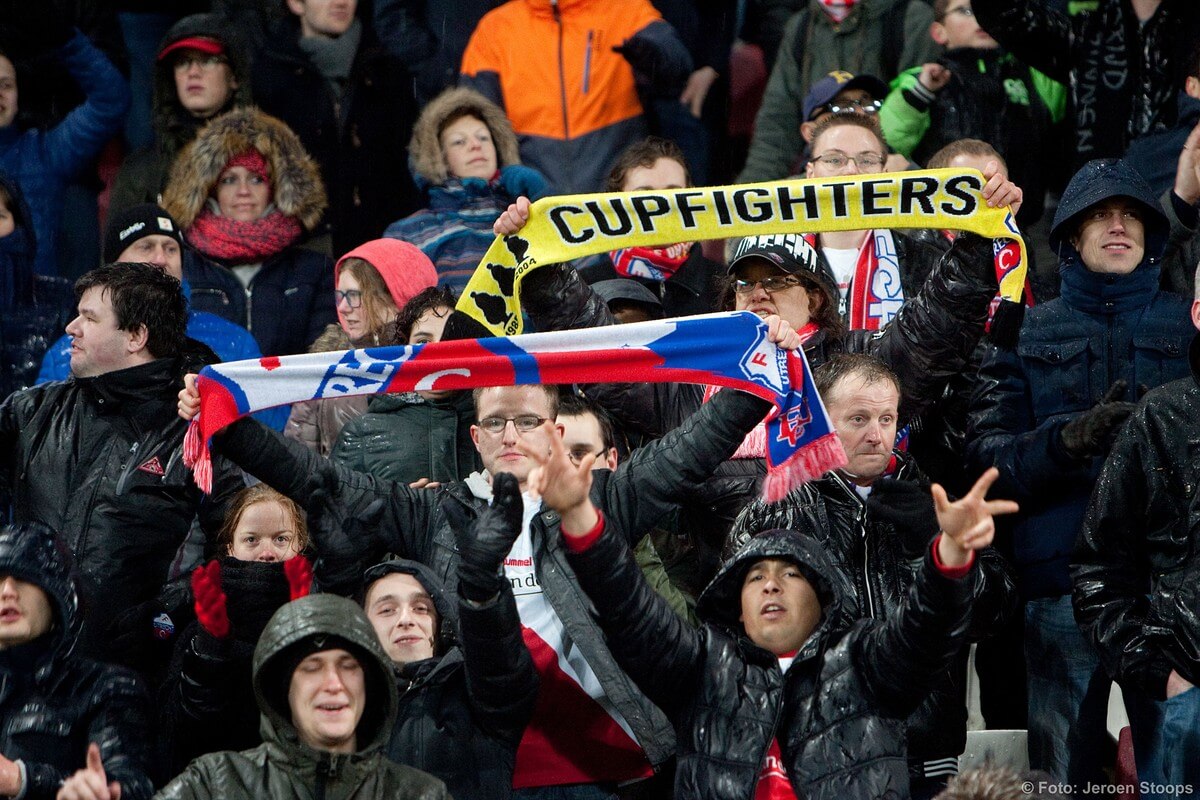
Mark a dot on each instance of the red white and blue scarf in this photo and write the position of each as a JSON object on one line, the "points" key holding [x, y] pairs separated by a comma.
{"points": [[729, 349]]}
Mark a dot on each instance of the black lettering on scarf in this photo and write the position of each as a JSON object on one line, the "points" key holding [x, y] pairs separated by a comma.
{"points": [[645, 214], [743, 207], [722, 208], [839, 199], [871, 195], [787, 200], [493, 307], [917, 190], [954, 188], [624, 224], [686, 209], [564, 230]]}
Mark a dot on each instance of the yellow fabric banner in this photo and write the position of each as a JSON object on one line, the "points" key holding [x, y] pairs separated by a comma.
{"points": [[573, 226]]}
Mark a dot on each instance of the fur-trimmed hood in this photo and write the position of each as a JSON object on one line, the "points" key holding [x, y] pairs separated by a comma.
{"points": [[297, 189], [425, 148]]}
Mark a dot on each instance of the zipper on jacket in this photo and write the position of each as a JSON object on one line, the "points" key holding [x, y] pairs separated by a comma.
{"points": [[562, 77], [587, 63], [127, 467], [862, 524]]}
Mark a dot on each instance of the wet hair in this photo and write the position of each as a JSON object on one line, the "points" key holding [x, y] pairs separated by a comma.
{"points": [[375, 299], [551, 392], [143, 294], [574, 405], [427, 299], [645, 153], [260, 493], [857, 120], [846, 365], [964, 147]]}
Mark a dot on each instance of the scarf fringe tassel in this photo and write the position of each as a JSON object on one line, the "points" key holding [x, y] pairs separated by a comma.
{"points": [[812, 461]]}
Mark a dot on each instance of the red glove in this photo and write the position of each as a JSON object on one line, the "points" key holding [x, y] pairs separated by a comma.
{"points": [[210, 600], [300, 575]]}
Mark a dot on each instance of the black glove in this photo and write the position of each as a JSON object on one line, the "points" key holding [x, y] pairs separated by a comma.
{"points": [[909, 507], [483, 546], [345, 545], [1092, 432], [641, 53]]}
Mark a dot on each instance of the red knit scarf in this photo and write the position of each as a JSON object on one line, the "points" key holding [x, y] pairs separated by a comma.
{"points": [[837, 10], [243, 242]]}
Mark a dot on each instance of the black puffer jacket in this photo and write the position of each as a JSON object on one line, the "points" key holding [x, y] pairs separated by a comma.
{"points": [[1122, 75], [357, 138], [837, 712], [415, 523], [928, 341], [54, 703], [101, 460], [463, 711], [283, 767], [881, 562], [1136, 564]]}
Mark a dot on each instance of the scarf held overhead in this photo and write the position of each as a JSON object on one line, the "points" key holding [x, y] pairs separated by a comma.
{"points": [[729, 349], [573, 226]]}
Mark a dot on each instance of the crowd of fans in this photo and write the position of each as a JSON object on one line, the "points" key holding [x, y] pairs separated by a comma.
{"points": [[578, 593]]}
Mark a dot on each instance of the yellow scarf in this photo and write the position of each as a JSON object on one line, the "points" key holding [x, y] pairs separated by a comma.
{"points": [[573, 226]]}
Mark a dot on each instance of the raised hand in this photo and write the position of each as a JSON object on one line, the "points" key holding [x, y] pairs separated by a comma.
{"points": [[10, 777], [967, 524], [934, 76], [998, 190], [189, 398], [513, 218], [210, 600], [484, 545], [563, 485], [90, 783], [1187, 171]]}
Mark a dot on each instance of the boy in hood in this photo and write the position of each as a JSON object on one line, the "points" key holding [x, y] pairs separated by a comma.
{"points": [[328, 701], [59, 711], [466, 678], [774, 696]]}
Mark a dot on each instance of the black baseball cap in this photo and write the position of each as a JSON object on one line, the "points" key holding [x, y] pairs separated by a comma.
{"points": [[790, 252]]}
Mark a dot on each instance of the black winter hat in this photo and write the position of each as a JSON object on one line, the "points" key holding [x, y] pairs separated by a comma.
{"points": [[34, 553], [1097, 181], [137, 222]]}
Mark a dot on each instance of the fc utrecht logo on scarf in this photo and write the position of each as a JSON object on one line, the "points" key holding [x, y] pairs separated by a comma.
{"points": [[756, 364], [153, 466], [355, 370], [1007, 255], [793, 423], [887, 294]]}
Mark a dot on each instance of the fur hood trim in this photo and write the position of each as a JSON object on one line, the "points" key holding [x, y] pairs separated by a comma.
{"points": [[425, 149], [297, 189], [332, 339]]}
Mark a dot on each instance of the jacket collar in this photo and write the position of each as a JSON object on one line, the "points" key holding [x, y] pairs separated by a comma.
{"points": [[1099, 293], [120, 388]]}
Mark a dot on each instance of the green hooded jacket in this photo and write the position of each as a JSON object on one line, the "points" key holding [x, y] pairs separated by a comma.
{"points": [[282, 768]]}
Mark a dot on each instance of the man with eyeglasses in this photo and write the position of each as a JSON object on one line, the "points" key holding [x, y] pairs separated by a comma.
{"points": [[629, 738], [977, 90], [842, 92]]}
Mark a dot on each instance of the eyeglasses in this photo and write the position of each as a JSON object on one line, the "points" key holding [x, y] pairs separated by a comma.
{"points": [[523, 423], [868, 107], [184, 63], [965, 11], [775, 283], [862, 160], [353, 298], [578, 454]]}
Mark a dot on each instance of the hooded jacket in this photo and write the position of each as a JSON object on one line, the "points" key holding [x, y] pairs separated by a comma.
{"points": [[455, 227], [290, 300], [929, 340], [417, 523], [463, 711], [836, 713], [143, 175], [880, 561], [317, 423], [356, 137], [588, 109], [1122, 73], [1102, 328], [101, 460], [53, 703], [282, 766]]}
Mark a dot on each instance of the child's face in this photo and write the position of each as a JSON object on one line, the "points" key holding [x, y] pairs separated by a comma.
{"points": [[7, 223]]}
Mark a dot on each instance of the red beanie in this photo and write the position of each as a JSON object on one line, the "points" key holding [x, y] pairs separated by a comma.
{"points": [[403, 267], [253, 161]]}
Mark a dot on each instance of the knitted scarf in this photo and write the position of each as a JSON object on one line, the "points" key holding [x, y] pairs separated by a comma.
{"points": [[729, 349], [875, 290], [837, 10], [239, 242], [573, 226], [652, 263]]}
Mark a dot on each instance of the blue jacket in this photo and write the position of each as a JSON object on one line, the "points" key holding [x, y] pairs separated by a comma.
{"points": [[456, 228], [1156, 155], [43, 162]]}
